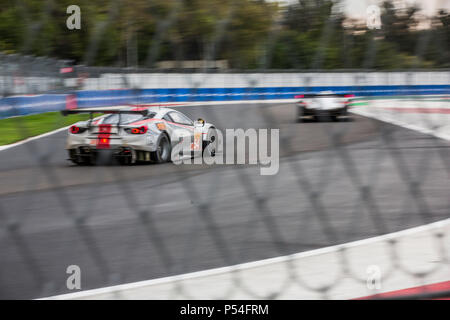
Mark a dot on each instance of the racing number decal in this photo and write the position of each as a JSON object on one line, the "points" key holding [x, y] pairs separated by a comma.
{"points": [[196, 146], [103, 136]]}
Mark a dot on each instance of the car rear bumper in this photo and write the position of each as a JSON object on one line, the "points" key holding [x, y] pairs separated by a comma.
{"points": [[136, 142], [304, 112], [89, 154]]}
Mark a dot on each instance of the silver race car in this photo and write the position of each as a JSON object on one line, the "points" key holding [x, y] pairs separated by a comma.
{"points": [[323, 105], [135, 134]]}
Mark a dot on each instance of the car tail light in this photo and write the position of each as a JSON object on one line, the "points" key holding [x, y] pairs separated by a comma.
{"points": [[137, 130], [299, 96], [76, 130], [349, 95]]}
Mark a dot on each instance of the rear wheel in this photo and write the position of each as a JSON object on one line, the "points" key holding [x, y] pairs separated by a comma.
{"points": [[77, 159], [163, 150]]}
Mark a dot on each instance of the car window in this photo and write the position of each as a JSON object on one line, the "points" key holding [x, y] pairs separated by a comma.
{"points": [[167, 118], [126, 118], [181, 118]]}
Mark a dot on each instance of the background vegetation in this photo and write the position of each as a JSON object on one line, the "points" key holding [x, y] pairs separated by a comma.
{"points": [[248, 33]]}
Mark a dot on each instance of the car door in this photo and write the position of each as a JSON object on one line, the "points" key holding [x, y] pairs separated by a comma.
{"points": [[181, 126]]}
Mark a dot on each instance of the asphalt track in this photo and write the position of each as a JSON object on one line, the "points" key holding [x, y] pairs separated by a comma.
{"points": [[337, 182]]}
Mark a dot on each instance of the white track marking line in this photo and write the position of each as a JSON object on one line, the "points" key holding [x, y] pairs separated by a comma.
{"points": [[253, 264], [12, 145], [399, 123], [197, 104]]}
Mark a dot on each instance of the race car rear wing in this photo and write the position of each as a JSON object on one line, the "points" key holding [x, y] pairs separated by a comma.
{"points": [[91, 111], [324, 95]]}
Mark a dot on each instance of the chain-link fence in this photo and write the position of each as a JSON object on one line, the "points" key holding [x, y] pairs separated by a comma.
{"points": [[30, 75], [382, 168]]}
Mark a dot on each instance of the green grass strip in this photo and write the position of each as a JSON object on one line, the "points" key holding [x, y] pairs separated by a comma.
{"points": [[359, 104], [23, 127]]}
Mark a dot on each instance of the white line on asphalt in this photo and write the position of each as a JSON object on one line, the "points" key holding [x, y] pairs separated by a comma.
{"points": [[197, 104], [399, 123], [8, 146]]}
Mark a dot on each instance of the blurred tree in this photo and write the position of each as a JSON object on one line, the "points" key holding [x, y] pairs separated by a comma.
{"points": [[313, 36], [247, 33], [438, 49], [399, 25], [10, 38]]}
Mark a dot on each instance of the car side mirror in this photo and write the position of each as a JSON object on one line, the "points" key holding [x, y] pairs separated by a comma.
{"points": [[199, 123]]}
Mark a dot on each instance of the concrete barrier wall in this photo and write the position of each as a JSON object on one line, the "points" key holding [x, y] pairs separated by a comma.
{"points": [[184, 88], [259, 80]]}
